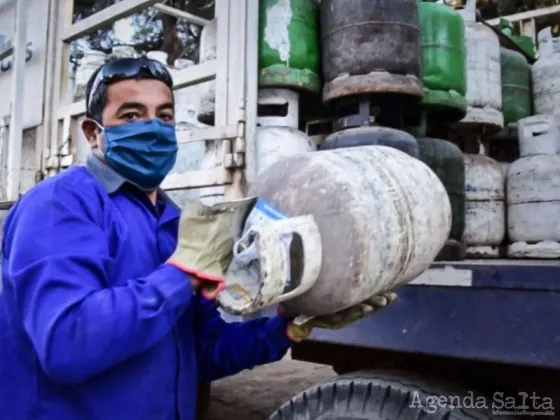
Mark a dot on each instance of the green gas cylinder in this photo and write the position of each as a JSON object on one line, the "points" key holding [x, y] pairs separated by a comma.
{"points": [[447, 162], [525, 42], [442, 32], [289, 54], [516, 82], [516, 86]]}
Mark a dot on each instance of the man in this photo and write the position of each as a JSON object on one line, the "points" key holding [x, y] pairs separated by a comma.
{"points": [[104, 314]]}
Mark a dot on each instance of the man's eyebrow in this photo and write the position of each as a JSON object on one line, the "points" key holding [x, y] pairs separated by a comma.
{"points": [[167, 105], [131, 105]]}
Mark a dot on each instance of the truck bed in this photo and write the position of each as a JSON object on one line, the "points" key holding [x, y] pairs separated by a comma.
{"points": [[504, 311]]}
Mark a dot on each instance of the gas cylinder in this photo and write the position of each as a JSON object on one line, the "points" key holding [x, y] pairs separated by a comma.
{"points": [[360, 129], [525, 42], [484, 79], [188, 99], [277, 134], [484, 207], [370, 47], [208, 46], [444, 64], [533, 191], [90, 62], [190, 154], [447, 161], [159, 56], [505, 166], [546, 73], [382, 216], [123, 51], [289, 45], [516, 86], [318, 130], [213, 157], [182, 63], [372, 136]]}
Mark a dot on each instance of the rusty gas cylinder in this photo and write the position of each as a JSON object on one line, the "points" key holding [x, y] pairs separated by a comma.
{"points": [[370, 47]]}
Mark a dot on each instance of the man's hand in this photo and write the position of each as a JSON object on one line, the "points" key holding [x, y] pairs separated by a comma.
{"points": [[205, 243], [342, 318]]}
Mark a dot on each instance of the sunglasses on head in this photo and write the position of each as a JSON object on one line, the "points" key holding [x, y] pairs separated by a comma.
{"points": [[130, 68]]}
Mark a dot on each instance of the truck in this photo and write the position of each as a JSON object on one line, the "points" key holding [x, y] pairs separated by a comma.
{"points": [[471, 338]]}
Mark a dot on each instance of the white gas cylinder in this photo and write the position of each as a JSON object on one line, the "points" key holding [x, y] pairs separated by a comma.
{"points": [[485, 225], [182, 63], [546, 74], [382, 216], [190, 154], [90, 62], [208, 45], [207, 103], [123, 51], [189, 96], [277, 134], [504, 166], [213, 157], [484, 75], [533, 191], [160, 56], [539, 135]]}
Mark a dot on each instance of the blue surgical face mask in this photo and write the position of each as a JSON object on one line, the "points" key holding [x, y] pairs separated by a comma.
{"points": [[143, 152]]}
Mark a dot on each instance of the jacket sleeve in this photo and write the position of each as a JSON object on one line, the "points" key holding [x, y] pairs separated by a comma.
{"points": [[224, 349], [58, 271]]}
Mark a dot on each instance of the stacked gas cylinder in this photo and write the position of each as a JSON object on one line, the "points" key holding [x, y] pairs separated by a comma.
{"points": [[362, 196], [388, 79], [533, 181], [383, 215], [424, 77], [288, 33], [484, 228], [289, 67]]}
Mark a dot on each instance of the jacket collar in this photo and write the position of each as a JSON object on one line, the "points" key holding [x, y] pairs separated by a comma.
{"points": [[112, 181]]}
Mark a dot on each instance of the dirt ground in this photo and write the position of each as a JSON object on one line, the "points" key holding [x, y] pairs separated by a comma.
{"points": [[254, 395]]}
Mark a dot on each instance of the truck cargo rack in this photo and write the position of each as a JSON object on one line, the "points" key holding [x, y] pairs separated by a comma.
{"points": [[527, 21], [234, 70]]}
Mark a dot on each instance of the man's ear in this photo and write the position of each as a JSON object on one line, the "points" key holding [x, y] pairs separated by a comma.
{"points": [[91, 131]]}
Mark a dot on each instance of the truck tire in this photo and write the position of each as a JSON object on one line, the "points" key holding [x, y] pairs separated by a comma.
{"points": [[379, 395]]}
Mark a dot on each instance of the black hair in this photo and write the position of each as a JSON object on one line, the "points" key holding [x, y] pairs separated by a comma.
{"points": [[96, 104]]}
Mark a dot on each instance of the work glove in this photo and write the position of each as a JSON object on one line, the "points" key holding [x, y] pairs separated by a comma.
{"points": [[342, 318], [205, 242]]}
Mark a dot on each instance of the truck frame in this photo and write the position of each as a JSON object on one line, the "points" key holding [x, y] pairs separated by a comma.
{"points": [[480, 326]]}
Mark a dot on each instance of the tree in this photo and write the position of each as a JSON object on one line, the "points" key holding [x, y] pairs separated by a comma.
{"points": [[154, 30], [101, 39]]}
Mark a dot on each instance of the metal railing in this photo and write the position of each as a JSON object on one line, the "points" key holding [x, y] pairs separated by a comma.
{"points": [[234, 70]]}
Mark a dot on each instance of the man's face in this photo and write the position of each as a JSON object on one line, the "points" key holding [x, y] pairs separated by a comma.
{"points": [[132, 100]]}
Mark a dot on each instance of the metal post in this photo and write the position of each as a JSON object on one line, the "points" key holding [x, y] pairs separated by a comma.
{"points": [[17, 101], [252, 86]]}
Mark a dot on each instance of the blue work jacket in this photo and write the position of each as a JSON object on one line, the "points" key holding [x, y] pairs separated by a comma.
{"points": [[93, 324]]}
